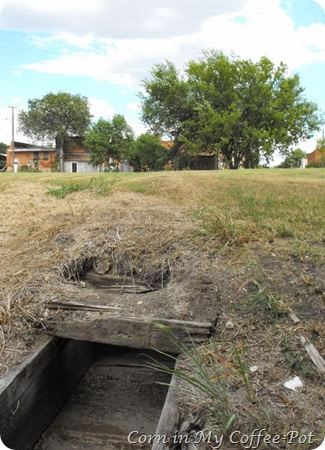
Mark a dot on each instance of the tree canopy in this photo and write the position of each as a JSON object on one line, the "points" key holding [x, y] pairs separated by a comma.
{"points": [[109, 139], [230, 107], [148, 151], [55, 117], [294, 159]]}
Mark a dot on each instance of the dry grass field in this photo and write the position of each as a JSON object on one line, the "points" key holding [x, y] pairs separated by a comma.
{"points": [[246, 247]]}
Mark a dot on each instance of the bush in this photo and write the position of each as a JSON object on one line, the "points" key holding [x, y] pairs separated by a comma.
{"points": [[316, 164]]}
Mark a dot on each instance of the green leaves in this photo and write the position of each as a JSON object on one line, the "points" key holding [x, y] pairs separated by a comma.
{"points": [[55, 116], [224, 105], [147, 150], [109, 140]]}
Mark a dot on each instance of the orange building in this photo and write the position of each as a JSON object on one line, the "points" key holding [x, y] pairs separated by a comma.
{"points": [[45, 159], [316, 156], [28, 157]]}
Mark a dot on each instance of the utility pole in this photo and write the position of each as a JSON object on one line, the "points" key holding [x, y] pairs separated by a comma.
{"points": [[13, 135]]}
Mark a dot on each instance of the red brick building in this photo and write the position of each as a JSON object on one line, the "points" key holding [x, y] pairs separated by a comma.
{"points": [[45, 159], [316, 156], [28, 156]]}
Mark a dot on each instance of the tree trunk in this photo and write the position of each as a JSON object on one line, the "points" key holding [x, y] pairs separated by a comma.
{"points": [[234, 164]]}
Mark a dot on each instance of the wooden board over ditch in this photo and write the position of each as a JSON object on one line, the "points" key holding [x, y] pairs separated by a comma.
{"points": [[132, 332]]}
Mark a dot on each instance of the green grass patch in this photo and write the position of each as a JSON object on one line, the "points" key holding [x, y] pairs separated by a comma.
{"points": [[66, 189], [101, 185]]}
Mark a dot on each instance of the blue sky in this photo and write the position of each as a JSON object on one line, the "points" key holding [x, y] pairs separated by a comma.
{"points": [[104, 48]]}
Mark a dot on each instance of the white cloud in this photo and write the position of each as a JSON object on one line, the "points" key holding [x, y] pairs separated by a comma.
{"points": [[53, 6], [257, 29], [136, 126], [86, 42], [100, 108], [321, 3], [113, 18], [122, 62], [267, 30], [134, 106]]}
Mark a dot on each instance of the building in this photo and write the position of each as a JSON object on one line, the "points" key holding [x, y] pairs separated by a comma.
{"points": [[31, 157], [202, 161], [317, 156], [76, 158], [45, 159]]}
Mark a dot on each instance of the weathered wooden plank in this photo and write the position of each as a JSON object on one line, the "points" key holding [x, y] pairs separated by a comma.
{"points": [[33, 392], [313, 354], [118, 283], [81, 305], [169, 420], [132, 332]]}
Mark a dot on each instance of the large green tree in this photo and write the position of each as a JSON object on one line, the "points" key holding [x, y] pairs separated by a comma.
{"points": [[56, 117], [109, 139], [147, 150], [228, 106]]}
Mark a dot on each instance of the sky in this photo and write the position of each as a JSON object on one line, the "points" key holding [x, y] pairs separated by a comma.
{"points": [[102, 49]]}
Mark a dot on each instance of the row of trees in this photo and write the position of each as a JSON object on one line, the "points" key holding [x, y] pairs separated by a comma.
{"points": [[56, 117], [115, 139], [236, 109]]}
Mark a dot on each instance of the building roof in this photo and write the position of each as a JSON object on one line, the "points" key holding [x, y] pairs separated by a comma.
{"points": [[33, 149], [24, 147]]}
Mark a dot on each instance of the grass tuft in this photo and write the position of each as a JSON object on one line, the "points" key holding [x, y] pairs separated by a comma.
{"points": [[67, 189]]}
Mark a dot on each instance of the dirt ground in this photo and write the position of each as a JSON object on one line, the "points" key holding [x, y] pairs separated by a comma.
{"points": [[250, 291]]}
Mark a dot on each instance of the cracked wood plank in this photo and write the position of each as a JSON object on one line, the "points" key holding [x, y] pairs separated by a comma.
{"points": [[132, 332]]}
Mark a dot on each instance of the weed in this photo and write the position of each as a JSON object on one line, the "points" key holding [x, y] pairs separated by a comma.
{"points": [[210, 383], [243, 370], [284, 232], [272, 303], [101, 185], [294, 361], [66, 189], [221, 224], [207, 371]]}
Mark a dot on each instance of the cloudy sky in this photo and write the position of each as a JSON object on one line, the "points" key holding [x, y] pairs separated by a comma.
{"points": [[103, 48]]}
